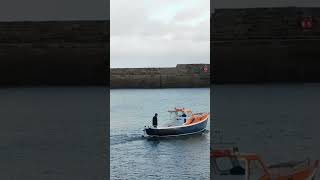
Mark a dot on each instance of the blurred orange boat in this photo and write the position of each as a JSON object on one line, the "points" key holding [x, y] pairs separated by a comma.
{"points": [[253, 168]]}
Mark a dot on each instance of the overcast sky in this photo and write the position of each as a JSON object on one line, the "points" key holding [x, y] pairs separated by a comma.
{"points": [[159, 33]]}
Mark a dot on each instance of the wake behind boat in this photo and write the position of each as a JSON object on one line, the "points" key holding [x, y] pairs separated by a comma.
{"points": [[189, 124]]}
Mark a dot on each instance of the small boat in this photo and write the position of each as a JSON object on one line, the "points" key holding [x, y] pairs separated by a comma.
{"points": [[192, 124], [251, 166]]}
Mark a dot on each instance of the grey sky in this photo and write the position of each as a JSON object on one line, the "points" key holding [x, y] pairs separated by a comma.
{"points": [[158, 33], [43, 10]]}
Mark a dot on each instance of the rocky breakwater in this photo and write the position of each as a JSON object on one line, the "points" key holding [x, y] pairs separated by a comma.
{"points": [[181, 76]]}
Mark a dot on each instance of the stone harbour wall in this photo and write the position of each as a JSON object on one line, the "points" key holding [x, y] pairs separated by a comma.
{"points": [[181, 76], [54, 53], [257, 45]]}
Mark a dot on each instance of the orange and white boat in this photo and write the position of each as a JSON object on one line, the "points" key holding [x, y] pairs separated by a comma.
{"points": [[252, 167], [192, 123]]}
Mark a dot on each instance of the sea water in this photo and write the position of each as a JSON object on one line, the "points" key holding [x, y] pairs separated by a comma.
{"points": [[279, 122], [53, 132], [135, 157]]}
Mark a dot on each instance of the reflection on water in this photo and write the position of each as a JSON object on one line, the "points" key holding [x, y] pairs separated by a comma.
{"points": [[136, 157], [52, 132], [278, 122]]}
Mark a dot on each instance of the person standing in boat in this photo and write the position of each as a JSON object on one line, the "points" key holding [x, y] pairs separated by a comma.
{"points": [[184, 117], [155, 120]]}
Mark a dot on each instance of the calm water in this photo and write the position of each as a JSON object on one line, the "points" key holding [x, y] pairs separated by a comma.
{"points": [[134, 157], [278, 122], [53, 133]]}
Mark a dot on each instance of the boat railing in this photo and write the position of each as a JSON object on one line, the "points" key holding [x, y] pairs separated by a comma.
{"points": [[201, 113], [302, 164]]}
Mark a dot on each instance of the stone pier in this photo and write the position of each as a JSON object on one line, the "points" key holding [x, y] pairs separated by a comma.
{"points": [[181, 76], [255, 45], [54, 53]]}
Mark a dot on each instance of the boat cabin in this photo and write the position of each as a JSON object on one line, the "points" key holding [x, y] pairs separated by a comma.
{"points": [[180, 114]]}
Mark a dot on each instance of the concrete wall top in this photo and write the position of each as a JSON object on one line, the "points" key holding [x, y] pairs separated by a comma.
{"points": [[58, 10], [218, 4]]}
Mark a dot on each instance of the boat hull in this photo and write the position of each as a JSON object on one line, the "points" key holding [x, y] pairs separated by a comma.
{"points": [[178, 130]]}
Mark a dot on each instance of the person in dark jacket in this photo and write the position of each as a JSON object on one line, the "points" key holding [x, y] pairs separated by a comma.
{"points": [[184, 116], [155, 120]]}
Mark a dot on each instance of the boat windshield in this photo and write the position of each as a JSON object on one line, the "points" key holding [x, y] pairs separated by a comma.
{"points": [[178, 112], [229, 166]]}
